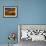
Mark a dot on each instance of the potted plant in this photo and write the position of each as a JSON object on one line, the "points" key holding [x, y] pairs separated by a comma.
{"points": [[11, 37]]}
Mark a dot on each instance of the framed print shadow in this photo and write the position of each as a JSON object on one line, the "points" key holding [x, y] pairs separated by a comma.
{"points": [[9, 11]]}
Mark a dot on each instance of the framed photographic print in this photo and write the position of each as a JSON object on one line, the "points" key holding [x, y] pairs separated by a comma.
{"points": [[10, 11], [33, 32]]}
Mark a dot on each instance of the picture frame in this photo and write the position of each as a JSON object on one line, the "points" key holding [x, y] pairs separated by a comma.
{"points": [[9, 11], [37, 29]]}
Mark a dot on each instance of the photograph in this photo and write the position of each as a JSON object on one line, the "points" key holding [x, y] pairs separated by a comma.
{"points": [[10, 11]]}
